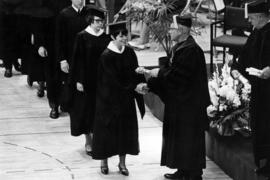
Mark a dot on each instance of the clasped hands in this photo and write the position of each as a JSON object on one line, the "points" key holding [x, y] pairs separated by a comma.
{"points": [[142, 88]]}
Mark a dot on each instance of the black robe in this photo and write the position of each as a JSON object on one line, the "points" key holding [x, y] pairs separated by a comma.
{"points": [[69, 23], [256, 53], [116, 126], [83, 69], [183, 87]]}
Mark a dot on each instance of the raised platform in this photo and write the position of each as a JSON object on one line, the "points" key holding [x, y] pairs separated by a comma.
{"points": [[232, 154]]}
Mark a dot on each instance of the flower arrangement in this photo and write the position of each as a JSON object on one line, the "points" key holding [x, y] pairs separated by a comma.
{"points": [[229, 111]]}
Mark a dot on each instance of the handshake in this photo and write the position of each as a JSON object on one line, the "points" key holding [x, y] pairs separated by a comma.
{"points": [[142, 88]]}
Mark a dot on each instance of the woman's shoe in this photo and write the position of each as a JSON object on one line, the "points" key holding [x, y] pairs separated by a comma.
{"points": [[88, 150], [29, 81], [40, 93], [104, 169], [123, 170]]}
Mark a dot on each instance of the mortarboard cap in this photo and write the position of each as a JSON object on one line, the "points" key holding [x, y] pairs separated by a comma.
{"points": [[117, 27], [95, 11], [185, 20], [259, 6]]}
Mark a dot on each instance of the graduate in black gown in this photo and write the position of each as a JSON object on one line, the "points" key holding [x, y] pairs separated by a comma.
{"points": [[9, 49], [183, 87], [70, 21], [256, 54], [116, 126], [89, 44]]}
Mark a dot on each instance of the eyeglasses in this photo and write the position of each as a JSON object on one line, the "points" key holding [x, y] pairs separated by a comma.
{"points": [[99, 20]]}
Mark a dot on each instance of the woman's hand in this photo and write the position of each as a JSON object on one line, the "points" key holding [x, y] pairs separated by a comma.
{"points": [[42, 51]]}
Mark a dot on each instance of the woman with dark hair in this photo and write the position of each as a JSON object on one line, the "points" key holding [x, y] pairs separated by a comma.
{"points": [[89, 44], [116, 126]]}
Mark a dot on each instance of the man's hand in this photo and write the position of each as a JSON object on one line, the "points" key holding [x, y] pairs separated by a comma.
{"points": [[142, 88], [64, 66], [42, 51], [265, 73], [79, 87]]}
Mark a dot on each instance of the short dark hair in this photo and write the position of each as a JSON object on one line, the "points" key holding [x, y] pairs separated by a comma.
{"points": [[120, 31], [89, 19]]}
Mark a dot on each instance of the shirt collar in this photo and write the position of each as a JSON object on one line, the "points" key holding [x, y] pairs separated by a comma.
{"points": [[76, 9], [113, 48], [91, 31]]}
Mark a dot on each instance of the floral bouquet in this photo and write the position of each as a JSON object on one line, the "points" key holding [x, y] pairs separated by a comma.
{"points": [[229, 111]]}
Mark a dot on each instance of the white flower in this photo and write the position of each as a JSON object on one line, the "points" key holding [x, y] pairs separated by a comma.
{"points": [[223, 107]]}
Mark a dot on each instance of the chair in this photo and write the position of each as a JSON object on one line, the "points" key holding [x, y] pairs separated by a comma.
{"points": [[233, 18]]}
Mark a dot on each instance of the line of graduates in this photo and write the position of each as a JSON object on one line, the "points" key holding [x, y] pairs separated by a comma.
{"points": [[94, 75]]}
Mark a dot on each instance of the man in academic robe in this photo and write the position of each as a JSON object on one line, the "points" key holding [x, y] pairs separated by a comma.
{"points": [[89, 44], [41, 55], [70, 21], [256, 54], [9, 49], [183, 87]]}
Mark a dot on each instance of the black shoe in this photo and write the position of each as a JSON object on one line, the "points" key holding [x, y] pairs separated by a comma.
{"points": [[104, 169], [40, 93], [175, 175], [88, 150], [54, 114], [63, 109], [8, 73], [29, 81], [123, 170]]}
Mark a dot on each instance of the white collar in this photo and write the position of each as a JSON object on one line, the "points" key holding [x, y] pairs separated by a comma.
{"points": [[76, 9], [91, 31], [113, 48]]}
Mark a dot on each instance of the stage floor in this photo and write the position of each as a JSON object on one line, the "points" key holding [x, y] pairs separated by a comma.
{"points": [[35, 147]]}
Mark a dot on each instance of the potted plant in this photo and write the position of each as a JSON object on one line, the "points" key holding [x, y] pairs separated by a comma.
{"points": [[157, 15]]}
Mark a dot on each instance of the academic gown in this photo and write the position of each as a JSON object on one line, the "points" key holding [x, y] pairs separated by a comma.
{"points": [[83, 69], [256, 53], [69, 23], [183, 87], [8, 34], [116, 126]]}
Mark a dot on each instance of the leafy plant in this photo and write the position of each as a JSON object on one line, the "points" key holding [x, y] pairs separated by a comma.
{"points": [[157, 16]]}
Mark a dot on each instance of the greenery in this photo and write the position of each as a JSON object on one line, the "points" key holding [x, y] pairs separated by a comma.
{"points": [[157, 16]]}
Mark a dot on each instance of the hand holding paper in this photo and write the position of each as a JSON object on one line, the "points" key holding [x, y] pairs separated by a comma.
{"points": [[263, 74]]}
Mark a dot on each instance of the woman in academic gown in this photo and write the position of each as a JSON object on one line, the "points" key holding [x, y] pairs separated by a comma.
{"points": [[89, 44], [116, 126]]}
